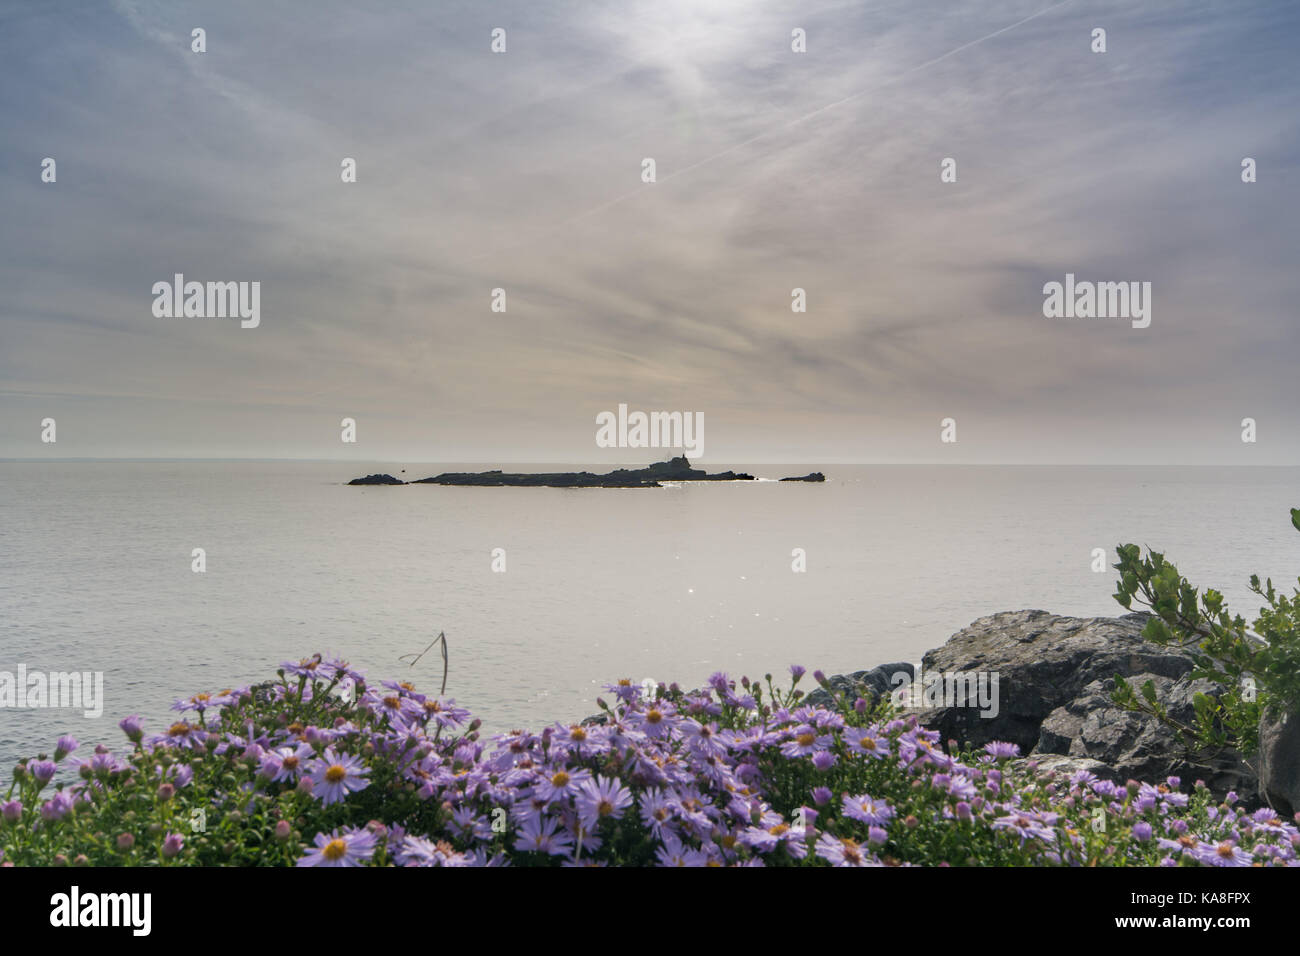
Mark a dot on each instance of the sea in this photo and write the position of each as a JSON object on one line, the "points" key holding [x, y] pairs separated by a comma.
{"points": [[545, 595]]}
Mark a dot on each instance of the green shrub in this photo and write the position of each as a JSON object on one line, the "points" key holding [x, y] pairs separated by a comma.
{"points": [[1260, 671]]}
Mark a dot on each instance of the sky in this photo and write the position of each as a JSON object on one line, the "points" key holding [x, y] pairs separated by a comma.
{"points": [[774, 170]]}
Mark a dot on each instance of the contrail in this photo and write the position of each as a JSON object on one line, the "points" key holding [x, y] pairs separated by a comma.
{"points": [[639, 191]]}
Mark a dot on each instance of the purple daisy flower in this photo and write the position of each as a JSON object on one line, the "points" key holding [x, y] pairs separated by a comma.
{"points": [[351, 847], [1001, 750], [542, 834], [842, 852], [656, 811], [559, 782], [57, 807], [1226, 853], [867, 809], [333, 776], [804, 742], [286, 764], [867, 742], [601, 798], [1028, 825], [173, 843], [182, 735], [823, 760], [133, 727], [64, 746], [310, 667]]}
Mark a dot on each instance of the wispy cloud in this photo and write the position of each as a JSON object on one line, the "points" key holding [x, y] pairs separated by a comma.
{"points": [[775, 170]]}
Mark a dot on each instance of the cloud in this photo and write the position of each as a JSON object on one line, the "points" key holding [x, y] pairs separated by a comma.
{"points": [[776, 170]]}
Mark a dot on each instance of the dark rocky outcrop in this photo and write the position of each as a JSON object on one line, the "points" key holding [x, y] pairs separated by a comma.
{"points": [[678, 469], [1279, 762], [1043, 661], [1055, 675], [568, 479], [377, 480], [1133, 746]]}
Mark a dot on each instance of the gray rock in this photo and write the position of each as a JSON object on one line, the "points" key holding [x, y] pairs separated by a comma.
{"points": [[1043, 661], [1279, 763], [1064, 767], [1137, 747], [377, 480]]}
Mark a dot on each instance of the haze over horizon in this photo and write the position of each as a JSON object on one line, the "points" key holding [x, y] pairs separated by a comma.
{"points": [[775, 170]]}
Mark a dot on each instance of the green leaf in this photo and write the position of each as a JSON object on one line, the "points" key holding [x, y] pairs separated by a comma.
{"points": [[1149, 691]]}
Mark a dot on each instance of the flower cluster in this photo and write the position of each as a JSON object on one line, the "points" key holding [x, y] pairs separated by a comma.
{"points": [[320, 768]]}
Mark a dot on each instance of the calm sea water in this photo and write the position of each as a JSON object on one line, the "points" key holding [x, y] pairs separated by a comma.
{"points": [[673, 583]]}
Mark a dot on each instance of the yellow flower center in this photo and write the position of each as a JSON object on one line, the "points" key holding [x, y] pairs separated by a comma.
{"points": [[560, 778], [851, 851], [806, 740], [335, 850], [335, 774]]}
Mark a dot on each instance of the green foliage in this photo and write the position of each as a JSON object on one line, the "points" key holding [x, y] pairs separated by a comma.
{"points": [[1260, 671]]}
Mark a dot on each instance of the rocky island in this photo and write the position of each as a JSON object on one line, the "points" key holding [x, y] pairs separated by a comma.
{"points": [[678, 469]]}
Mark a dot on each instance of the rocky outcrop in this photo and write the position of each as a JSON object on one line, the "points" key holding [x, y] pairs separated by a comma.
{"points": [[1133, 746], [1054, 676], [377, 480], [567, 479], [678, 469], [1279, 762], [1043, 661]]}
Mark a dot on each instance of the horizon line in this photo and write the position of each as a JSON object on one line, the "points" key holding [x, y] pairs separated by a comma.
{"points": [[463, 461]]}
